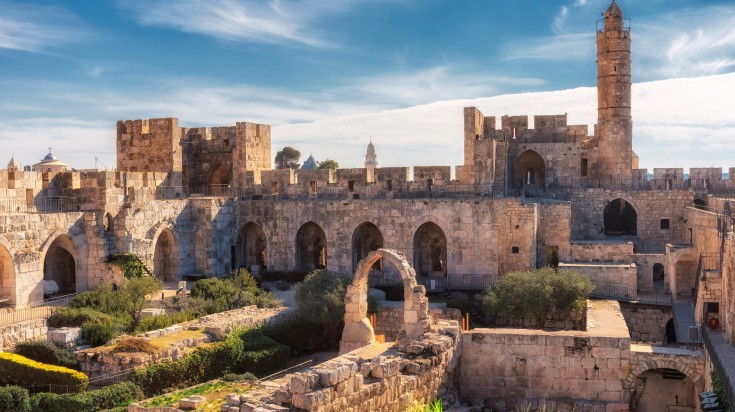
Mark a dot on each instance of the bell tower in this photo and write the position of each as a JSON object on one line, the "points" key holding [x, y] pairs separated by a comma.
{"points": [[614, 121]]}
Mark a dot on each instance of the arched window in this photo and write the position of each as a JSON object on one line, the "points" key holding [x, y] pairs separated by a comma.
{"points": [[530, 170], [620, 218]]}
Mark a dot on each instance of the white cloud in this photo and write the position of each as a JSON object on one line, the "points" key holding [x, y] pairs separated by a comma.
{"points": [[293, 23], [679, 43], [35, 28]]}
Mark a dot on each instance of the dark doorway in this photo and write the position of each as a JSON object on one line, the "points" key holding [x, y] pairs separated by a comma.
{"points": [[365, 239], [670, 332], [59, 267], [530, 170], [620, 219], [700, 204], [311, 248], [430, 251], [252, 251]]}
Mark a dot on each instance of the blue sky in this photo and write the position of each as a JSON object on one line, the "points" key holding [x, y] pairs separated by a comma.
{"points": [[70, 69]]}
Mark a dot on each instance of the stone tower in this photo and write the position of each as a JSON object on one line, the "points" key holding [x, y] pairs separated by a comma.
{"points": [[371, 162], [615, 127]]}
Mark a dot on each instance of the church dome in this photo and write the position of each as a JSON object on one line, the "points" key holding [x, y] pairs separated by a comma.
{"points": [[309, 164], [49, 156]]}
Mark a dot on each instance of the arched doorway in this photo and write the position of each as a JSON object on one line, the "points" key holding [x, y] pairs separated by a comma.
{"points": [[365, 239], [700, 204], [530, 170], [59, 267], [311, 248], [252, 248], [658, 276], [654, 389], [7, 278], [430, 251], [358, 331], [620, 218], [218, 179], [166, 257]]}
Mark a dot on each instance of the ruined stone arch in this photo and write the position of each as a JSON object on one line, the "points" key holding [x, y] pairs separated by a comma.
{"points": [[642, 367], [166, 262], [620, 218], [416, 321], [366, 237], [251, 247], [60, 265], [430, 246], [530, 170], [311, 247]]}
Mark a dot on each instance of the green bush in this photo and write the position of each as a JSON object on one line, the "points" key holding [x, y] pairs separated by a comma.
{"points": [[112, 396], [531, 295], [130, 265], [299, 334], [75, 317], [229, 293], [163, 321], [46, 352], [14, 399], [21, 371], [99, 333], [321, 299]]}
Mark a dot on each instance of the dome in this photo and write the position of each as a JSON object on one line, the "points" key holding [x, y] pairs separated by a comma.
{"points": [[309, 164], [49, 156]]}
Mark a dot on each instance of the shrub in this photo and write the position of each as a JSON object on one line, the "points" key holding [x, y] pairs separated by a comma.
{"points": [[163, 321], [320, 298], [46, 352], [129, 345], [214, 289], [531, 295], [130, 265], [21, 371], [112, 396], [99, 333], [228, 293], [75, 317], [299, 334], [14, 399]]}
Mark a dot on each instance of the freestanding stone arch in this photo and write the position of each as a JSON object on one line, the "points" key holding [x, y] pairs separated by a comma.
{"points": [[416, 321]]}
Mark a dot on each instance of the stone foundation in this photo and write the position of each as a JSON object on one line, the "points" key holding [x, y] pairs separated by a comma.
{"points": [[389, 318], [10, 335], [647, 323]]}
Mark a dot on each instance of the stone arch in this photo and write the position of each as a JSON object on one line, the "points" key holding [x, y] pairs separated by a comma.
{"points": [[430, 250], [60, 266], [530, 170], [658, 272], [416, 321], [166, 256], [620, 218], [7, 277], [218, 177], [311, 247], [366, 238], [674, 364], [251, 250]]}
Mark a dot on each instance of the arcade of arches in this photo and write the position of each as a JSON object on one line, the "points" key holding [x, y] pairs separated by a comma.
{"points": [[530, 170], [59, 266], [251, 250], [311, 248], [430, 250], [620, 218], [166, 257]]}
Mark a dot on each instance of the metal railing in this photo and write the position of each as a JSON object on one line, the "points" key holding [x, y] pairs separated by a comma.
{"points": [[286, 371], [450, 282], [715, 345], [606, 290], [34, 310], [51, 204]]}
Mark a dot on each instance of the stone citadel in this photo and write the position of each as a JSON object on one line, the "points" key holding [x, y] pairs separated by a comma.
{"points": [[193, 202]]}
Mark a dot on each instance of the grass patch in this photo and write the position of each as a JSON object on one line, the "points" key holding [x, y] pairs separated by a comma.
{"points": [[166, 341], [214, 391]]}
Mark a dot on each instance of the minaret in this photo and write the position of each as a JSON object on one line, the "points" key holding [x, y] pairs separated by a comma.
{"points": [[371, 162], [13, 165], [614, 122]]}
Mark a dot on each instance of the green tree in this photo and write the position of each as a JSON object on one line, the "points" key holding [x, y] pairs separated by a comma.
{"points": [[328, 164], [321, 299], [288, 158], [532, 294], [135, 290]]}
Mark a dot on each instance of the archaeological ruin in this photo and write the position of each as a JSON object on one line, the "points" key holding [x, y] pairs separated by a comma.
{"points": [[198, 202]]}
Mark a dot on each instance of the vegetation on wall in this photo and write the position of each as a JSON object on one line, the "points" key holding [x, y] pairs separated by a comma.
{"points": [[130, 265], [533, 294]]}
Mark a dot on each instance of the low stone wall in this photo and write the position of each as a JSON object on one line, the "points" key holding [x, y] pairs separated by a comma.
{"points": [[646, 323], [372, 378], [601, 251], [389, 318], [99, 361], [10, 335], [615, 280], [502, 368]]}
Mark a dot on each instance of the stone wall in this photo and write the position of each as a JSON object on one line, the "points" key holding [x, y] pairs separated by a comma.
{"points": [[601, 251], [647, 323], [504, 367], [389, 318], [644, 264], [10, 335], [618, 280]]}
